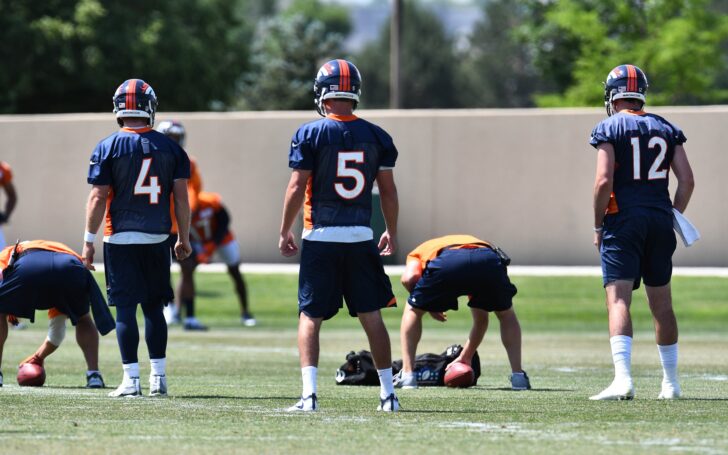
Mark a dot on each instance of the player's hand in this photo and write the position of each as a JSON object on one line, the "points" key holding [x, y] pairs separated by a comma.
{"points": [[88, 255], [287, 244], [182, 249], [439, 315], [387, 244], [33, 359], [459, 360], [598, 240]]}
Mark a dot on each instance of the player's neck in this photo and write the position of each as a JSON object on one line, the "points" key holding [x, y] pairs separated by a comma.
{"points": [[135, 123]]}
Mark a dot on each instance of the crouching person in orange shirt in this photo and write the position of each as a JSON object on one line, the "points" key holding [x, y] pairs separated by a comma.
{"points": [[45, 275]]}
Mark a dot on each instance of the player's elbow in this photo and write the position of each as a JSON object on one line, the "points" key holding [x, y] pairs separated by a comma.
{"points": [[686, 182], [409, 281], [602, 184]]}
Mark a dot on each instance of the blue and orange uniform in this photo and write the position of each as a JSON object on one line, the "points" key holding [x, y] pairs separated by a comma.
{"points": [[47, 275], [210, 229], [456, 265], [638, 239], [339, 257], [140, 165]]}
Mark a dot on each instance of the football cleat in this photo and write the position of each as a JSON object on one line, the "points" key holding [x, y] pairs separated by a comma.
{"points": [[670, 391], [338, 79], [157, 385], [95, 381], [520, 381], [305, 404], [194, 324], [402, 381], [171, 315], [389, 404], [248, 320], [130, 387], [617, 391]]}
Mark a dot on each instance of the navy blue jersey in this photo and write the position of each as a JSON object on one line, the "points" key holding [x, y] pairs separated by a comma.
{"points": [[344, 154], [141, 166], [644, 145]]}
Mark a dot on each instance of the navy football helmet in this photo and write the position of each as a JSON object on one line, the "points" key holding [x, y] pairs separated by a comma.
{"points": [[174, 130], [624, 82], [336, 79], [135, 98]]}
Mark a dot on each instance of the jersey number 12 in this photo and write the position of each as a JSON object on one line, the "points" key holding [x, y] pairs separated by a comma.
{"points": [[152, 189], [654, 173]]}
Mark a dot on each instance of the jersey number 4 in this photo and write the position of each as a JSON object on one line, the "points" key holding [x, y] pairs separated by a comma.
{"points": [[655, 172], [343, 170], [153, 190]]}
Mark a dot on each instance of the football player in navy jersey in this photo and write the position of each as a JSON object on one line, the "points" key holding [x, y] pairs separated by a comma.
{"points": [[633, 219], [134, 172], [335, 162]]}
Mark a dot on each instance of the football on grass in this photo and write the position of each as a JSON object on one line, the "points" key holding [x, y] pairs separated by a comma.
{"points": [[459, 375], [31, 375]]}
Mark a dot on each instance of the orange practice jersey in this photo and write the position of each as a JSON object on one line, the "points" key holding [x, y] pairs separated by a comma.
{"points": [[194, 188], [429, 250], [6, 174], [47, 245], [204, 219]]}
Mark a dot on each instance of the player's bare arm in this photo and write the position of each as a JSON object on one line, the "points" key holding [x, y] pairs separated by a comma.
{"points": [[390, 210], [603, 186], [685, 180], [10, 202], [182, 248], [95, 210], [412, 274], [295, 193]]}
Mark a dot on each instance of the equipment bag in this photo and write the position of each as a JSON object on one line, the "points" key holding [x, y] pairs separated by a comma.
{"points": [[359, 368]]}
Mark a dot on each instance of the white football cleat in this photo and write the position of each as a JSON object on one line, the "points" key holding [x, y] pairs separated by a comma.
{"points": [[405, 381], [670, 392], [248, 321], [617, 391], [389, 404], [130, 387], [157, 385], [307, 404]]}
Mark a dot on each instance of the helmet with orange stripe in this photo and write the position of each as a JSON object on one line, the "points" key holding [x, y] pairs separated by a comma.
{"points": [[338, 79], [135, 98], [624, 82]]}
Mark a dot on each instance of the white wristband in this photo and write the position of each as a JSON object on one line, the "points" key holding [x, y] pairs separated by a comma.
{"points": [[598, 229], [89, 237]]}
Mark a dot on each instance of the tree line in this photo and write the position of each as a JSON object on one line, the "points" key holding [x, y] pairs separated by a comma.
{"points": [[69, 55]]}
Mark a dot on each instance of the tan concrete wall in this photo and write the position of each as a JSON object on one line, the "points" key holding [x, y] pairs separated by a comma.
{"points": [[521, 178]]}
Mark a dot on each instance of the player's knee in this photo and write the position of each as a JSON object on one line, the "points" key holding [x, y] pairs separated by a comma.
{"points": [[57, 330]]}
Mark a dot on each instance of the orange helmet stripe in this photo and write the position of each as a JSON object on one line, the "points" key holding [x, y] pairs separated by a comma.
{"points": [[631, 78], [344, 76]]}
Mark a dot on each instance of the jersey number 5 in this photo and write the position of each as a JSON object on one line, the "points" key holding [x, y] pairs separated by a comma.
{"points": [[152, 189], [654, 173], [342, 170]]}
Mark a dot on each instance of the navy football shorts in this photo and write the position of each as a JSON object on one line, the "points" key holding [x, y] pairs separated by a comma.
{"points": [[138, 274], [331, 272], [476, 272], [40, 280], [638, 244]]}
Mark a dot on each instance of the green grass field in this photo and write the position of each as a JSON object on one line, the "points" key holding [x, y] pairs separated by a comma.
{"points": [[229, 386]]}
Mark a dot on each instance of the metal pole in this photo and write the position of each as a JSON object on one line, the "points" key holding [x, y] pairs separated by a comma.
{"points": [[395, 47]]}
